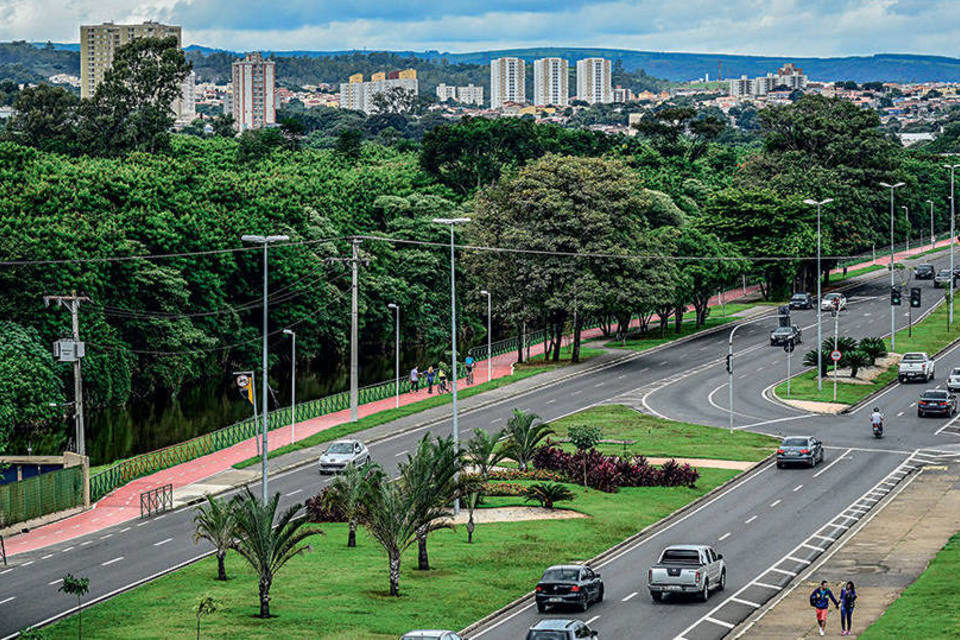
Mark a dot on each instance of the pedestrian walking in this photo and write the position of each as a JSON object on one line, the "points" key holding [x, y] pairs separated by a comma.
{"points": [[820, 600], [848, 599], [442, 381], [414, 379], [431, 375], [468, 363]]}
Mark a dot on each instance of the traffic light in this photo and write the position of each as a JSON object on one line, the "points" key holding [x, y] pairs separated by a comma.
{"points": [[915, 297], [895, 296]]}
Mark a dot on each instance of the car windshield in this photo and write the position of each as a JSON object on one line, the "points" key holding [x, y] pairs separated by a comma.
{"points": [[795, 442], [913, 357], [557, 575], [955, 372], [783, 330], [547, 635], [340, 447], [934, 395], [681, 556], [799, 296], [831, 296], [945, 273]]}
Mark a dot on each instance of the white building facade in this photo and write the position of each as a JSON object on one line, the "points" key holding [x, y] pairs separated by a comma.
{"points": [[551, 77], [594, 81], [507, 82]]}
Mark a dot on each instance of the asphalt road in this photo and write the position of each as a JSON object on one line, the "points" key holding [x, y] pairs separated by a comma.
{"points": [[746, 522]]}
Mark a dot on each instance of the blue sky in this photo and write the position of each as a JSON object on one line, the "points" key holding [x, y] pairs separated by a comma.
{"points": [[768, 27]]}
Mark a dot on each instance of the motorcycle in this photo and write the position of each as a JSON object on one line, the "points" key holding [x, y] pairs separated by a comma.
{"points": [[878, 430]]}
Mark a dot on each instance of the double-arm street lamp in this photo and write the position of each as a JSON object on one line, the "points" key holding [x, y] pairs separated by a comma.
{"points": [[933, 236], [266, 241], [453, 222], [818, 205], [893, 322]]}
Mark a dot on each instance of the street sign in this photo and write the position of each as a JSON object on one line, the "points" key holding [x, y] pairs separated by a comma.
{"points": [[243, 381], [835, 356]]}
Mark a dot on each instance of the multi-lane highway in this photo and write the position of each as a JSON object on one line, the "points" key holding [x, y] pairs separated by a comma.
{"points": [[759, 523]]}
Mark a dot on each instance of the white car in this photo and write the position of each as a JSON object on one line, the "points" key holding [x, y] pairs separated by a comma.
{"points": [[341, 453], [833, 300], [953, 380], [431, 634], [916, 366]]}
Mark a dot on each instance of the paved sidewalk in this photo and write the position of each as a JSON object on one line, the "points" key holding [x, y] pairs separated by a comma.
{"points": [[882, 559]]}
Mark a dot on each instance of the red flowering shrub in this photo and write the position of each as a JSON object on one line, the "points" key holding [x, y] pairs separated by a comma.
{"points": [[608, 473]]}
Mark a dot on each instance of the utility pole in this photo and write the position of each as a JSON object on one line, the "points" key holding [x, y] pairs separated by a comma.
{"points": [[933, 236], [396, 308], [906, 214], [952, 168], [489, 343], [893, 321], [293, 385], [354, 261], [818, 205], [72, 302]]}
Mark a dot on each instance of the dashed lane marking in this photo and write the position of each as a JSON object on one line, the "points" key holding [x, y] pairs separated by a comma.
{"points": [[775, 502], [629, 597], [57, 581], [723, 537], [798, 487], [750, 519], [5, 601], [592, 620], [164, 541], [109, 562]]}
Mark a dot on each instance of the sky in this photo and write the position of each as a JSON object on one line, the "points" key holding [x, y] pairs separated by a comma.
{"points": [[762, 27]]}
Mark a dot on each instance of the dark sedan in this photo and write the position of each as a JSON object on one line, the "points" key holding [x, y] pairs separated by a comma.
{"points": [[569, 584], [924, 272], [783, 335], [801, 300], [805, 450], [936, 401]]}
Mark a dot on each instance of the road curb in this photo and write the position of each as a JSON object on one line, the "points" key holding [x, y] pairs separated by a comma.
{"points": [[646, 531]]}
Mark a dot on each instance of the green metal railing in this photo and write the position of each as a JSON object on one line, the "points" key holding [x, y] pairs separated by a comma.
{"points": [[37, 496]]}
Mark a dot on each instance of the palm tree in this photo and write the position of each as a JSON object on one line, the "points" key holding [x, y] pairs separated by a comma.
{"points": [[431, 476], [215, 522], [74, 586], [393, 514], [856, 360], [523, 436], [546, 493], [484, 453], [874, 348], [346, 495], [266, 545]]}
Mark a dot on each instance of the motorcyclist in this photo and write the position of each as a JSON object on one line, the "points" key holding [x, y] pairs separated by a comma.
{"points": [[876, 419]]}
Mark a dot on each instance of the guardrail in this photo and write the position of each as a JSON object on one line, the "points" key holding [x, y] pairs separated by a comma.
{"points": [[156, 501]]}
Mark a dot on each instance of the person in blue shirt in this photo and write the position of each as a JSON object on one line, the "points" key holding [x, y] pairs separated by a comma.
{"points": [[820, 600], [469, 363], [848, 599]]}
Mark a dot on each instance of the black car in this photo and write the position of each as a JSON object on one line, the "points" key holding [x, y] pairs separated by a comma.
{"points": [[936, 401], [556, 629], [801, 450], [572, 584], [783, 335], [801, 300], [924, 272]]}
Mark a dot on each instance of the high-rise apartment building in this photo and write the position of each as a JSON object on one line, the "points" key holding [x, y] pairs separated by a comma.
{"points": [[360, 96], [507, 82], [254, 99], [739, 87], [186, 106], [550, 82], [99, 42], [594, 80], [622, 94]]}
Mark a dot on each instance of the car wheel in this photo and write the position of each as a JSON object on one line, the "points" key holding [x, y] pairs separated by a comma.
{"points": [[600, 595], [541, 608], [900, 379], [919, 413], [779, 465], [705, 594], [813, 461], [657, 596], [723, 580]]}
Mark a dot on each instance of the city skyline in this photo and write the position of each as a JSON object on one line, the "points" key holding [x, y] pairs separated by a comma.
{"points": [[786, 28]]}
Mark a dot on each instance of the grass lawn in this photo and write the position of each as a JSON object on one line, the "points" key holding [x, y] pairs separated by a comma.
{"points": [[656, 437], [652, 338], [931, 336], [521, 371], [928, 607], [839, 277], [336, 593]]}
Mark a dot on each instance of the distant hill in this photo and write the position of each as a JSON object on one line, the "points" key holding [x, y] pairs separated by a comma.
{"points": [[891, 67]]}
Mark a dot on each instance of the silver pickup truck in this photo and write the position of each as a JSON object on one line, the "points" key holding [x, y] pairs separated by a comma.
{"points": [[687, 568]]}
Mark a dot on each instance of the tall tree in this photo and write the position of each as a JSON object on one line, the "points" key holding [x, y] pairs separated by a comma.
{"points": [[268, 542], [346, 495], [77, 587], [524, 435], [44, 117], [430, 475]]}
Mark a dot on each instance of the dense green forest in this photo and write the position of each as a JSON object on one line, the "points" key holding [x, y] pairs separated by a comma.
{"points": [[670, 201]]}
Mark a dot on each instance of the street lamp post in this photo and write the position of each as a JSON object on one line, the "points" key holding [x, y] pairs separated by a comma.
{"points": [[893, 322], [293, 385], [933, 236], [952, 168], [397, 348], [818, 205], [489, 344], [730, 362], [266, 241], [453, 222]]}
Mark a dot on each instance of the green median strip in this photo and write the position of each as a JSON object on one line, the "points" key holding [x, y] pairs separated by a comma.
{"points": [[930, 335], [856, 272], [928, 607], [652, 337], [340, 593], [536, 366]]}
